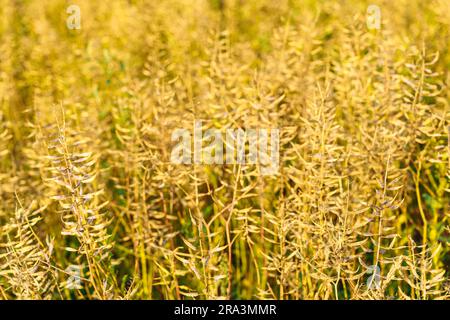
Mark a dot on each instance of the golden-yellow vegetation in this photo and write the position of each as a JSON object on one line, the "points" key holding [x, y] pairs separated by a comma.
{"points": [[359, 208]]}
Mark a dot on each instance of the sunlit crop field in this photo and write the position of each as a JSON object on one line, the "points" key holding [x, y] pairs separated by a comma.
{"points": [[94, 206]]}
